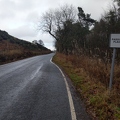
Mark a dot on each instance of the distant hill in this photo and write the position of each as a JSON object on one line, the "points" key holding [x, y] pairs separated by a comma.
{"points": [[12, 48]]}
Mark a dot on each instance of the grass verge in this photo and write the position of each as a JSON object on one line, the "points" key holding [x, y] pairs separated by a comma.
{"points": [[90, 78]]}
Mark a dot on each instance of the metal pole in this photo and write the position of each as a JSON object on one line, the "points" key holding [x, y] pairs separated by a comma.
{"points": [[112, 69]]}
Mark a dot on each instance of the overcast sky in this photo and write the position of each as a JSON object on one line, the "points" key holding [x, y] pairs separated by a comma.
{"points": [[20, 17]]}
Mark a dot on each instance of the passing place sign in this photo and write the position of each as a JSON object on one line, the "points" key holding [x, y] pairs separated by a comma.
{"points": [[115, 40]]}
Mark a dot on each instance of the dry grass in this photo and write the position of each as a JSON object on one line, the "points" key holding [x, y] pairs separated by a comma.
{"points": [[91, 79], [11, 52], [17, 54]]}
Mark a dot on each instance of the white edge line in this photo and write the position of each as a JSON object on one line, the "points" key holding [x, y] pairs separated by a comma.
{"points": [[72, 108]]}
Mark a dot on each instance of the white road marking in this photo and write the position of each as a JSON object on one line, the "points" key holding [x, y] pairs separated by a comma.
{"points": [[34, 74], [72, 108]]}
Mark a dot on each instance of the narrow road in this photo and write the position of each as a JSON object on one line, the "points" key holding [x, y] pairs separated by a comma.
{"points": [[33, 89]]}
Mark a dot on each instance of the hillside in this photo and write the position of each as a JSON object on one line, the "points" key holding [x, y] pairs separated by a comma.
{"points": [[12, 48]]}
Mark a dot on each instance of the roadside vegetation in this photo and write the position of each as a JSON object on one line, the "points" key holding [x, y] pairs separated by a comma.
{"points": [[12, 49], [83, 52], [91, 78]]}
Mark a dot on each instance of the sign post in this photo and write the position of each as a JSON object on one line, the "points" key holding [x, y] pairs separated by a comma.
{"points": [[112, 69], [114, 43]]}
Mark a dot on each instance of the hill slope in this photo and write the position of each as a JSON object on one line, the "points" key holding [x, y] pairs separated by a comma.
{"points": [[12, 48]]}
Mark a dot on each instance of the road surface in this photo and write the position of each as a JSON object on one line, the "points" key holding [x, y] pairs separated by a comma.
{"points": [[35, 89]]}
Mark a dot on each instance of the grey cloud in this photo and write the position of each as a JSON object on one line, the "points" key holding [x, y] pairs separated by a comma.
{"points": [[23, 31], [32, 17], [6, 9]]}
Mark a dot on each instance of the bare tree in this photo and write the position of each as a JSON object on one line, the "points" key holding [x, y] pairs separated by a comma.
{"points": [[53, 20], [68, 13], [40, 42], [47, 22], [34, 41]]}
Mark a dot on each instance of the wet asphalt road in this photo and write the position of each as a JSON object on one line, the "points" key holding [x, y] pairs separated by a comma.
{"points": [[33, 89]]}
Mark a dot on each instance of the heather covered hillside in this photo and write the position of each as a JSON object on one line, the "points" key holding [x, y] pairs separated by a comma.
{"points": [[12, 48]]}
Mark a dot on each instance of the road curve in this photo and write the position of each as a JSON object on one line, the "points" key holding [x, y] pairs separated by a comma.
{"points": [[33, 89]]}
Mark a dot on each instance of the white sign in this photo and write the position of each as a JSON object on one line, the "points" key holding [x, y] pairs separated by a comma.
{"points": [[115, 41]]}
